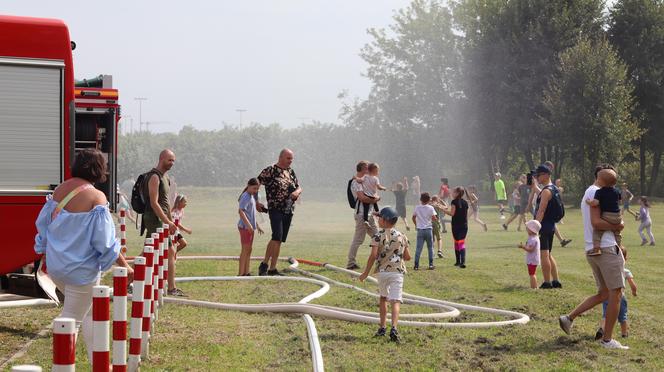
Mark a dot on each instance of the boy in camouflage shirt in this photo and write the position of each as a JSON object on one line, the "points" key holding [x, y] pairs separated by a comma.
{"points": [[389, 250]]}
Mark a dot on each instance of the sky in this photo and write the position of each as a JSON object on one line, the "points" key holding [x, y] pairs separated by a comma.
{"points": [[198, 62]]}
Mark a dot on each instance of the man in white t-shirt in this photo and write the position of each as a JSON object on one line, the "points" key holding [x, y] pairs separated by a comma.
{"points": [[361, 229], [608, 268]]}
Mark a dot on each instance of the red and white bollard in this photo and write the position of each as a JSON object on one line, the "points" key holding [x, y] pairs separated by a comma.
{"points": [[148, 253], [165, 264], [64, 345], [123, 232], [160, 274], [155, 279], [101, 317], [119, 319], [135, 336]]}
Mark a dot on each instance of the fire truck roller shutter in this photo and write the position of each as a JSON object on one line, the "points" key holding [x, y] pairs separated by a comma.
{"points": [[31, 115]]}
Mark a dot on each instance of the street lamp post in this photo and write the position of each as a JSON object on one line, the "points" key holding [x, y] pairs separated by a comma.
{"points": [[140, 111], [241, 111]]}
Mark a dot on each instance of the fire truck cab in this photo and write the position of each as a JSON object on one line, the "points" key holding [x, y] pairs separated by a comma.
{"points": [[45, 118]]}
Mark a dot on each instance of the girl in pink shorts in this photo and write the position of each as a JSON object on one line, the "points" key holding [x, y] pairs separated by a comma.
{"points": [[532, 248], [247, 223]]}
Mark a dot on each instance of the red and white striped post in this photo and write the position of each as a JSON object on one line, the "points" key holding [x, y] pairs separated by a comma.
{"points": [[64, 345], [160, 274], [148, 253], [123, 232], [119, 319], [136, 314], [165, 264], [155, 279], [101, 317]]}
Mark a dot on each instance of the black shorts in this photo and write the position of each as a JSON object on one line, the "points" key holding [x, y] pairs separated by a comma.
{"points": [[459, 232], [546, 241], [280, 223]]}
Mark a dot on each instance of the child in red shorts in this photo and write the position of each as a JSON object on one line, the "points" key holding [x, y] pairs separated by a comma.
{"points": [[247, 224], [532, 249]]}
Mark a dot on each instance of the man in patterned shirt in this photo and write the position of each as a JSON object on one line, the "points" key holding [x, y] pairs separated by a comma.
{"points": [[389, 249], [282, 190]]}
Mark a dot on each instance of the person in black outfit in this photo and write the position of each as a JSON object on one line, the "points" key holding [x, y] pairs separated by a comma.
{"points": [[459, 212]]}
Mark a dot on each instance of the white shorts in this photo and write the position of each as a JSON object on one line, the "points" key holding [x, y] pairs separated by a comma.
{"points": [[390, 285]]}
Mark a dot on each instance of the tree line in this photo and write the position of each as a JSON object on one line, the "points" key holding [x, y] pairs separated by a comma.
{"points": [[466, 88]]}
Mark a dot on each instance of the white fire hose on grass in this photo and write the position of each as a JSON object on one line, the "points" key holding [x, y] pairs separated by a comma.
{"points": [[445, 309]]}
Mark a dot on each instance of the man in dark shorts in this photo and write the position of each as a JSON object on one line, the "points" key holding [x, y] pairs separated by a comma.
{"points": [[544, 214], [282, 190]]}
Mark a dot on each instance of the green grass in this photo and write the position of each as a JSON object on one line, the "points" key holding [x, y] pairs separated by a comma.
{"points": [[189, 338]]}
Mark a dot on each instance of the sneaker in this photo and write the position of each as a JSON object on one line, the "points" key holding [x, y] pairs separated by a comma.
{"points": [[546, 285], [416, 268], [274, 272], [176, 292], [625, 335], [431, 267], [262, 269], [505, 227], [463, 266], [652, 244], [457, 264], [486, 228], [565, 323], [381, 332], [564, 242], [599, 334], [556, 284], [394, 335], [644, 242], [613, 344], [353, 267], [440, 254]]}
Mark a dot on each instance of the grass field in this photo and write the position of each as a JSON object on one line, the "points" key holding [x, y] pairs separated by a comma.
{"points": [[189, 338]]}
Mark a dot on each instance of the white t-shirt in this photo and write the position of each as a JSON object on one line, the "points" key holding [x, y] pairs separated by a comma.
{"points": [[356, 187], [370, 185], [608, 239], [423, 214]]}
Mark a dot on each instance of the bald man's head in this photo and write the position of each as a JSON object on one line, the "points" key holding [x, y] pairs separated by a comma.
{"points": [[166, 160], [285, 158]]}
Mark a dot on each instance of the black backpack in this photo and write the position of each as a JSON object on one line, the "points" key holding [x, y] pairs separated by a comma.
{"points": [[557, 212], [351, 197], [138, 200]]}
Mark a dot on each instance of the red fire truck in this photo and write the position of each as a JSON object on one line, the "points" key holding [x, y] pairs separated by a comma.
{"points": [[45, 117]]}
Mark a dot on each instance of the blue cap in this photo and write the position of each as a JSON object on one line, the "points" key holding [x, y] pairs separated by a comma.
{"points": [[543, 169], [389, 213]]}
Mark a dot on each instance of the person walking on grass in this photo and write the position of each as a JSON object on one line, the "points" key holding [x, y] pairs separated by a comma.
{"points": [[474, 201], [563, 242], [646, 222], [546, 214], [501, 194], [532, 248], [439, 206], [158, 210], [627, 197], [622, 313], [608, 269], [247, 225], [459, 212], [389, 250], [400, 190], [282, 190], [445, 196], [424, 216], [361, 229], [516, 206]]}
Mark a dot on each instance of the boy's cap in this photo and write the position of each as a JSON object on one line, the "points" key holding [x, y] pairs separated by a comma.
{"points": [[542, 169], [389, 213], [497, 174], [534, 226]]}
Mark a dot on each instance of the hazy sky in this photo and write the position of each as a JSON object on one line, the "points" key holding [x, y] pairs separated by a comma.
{"points": [[198, 61]]}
